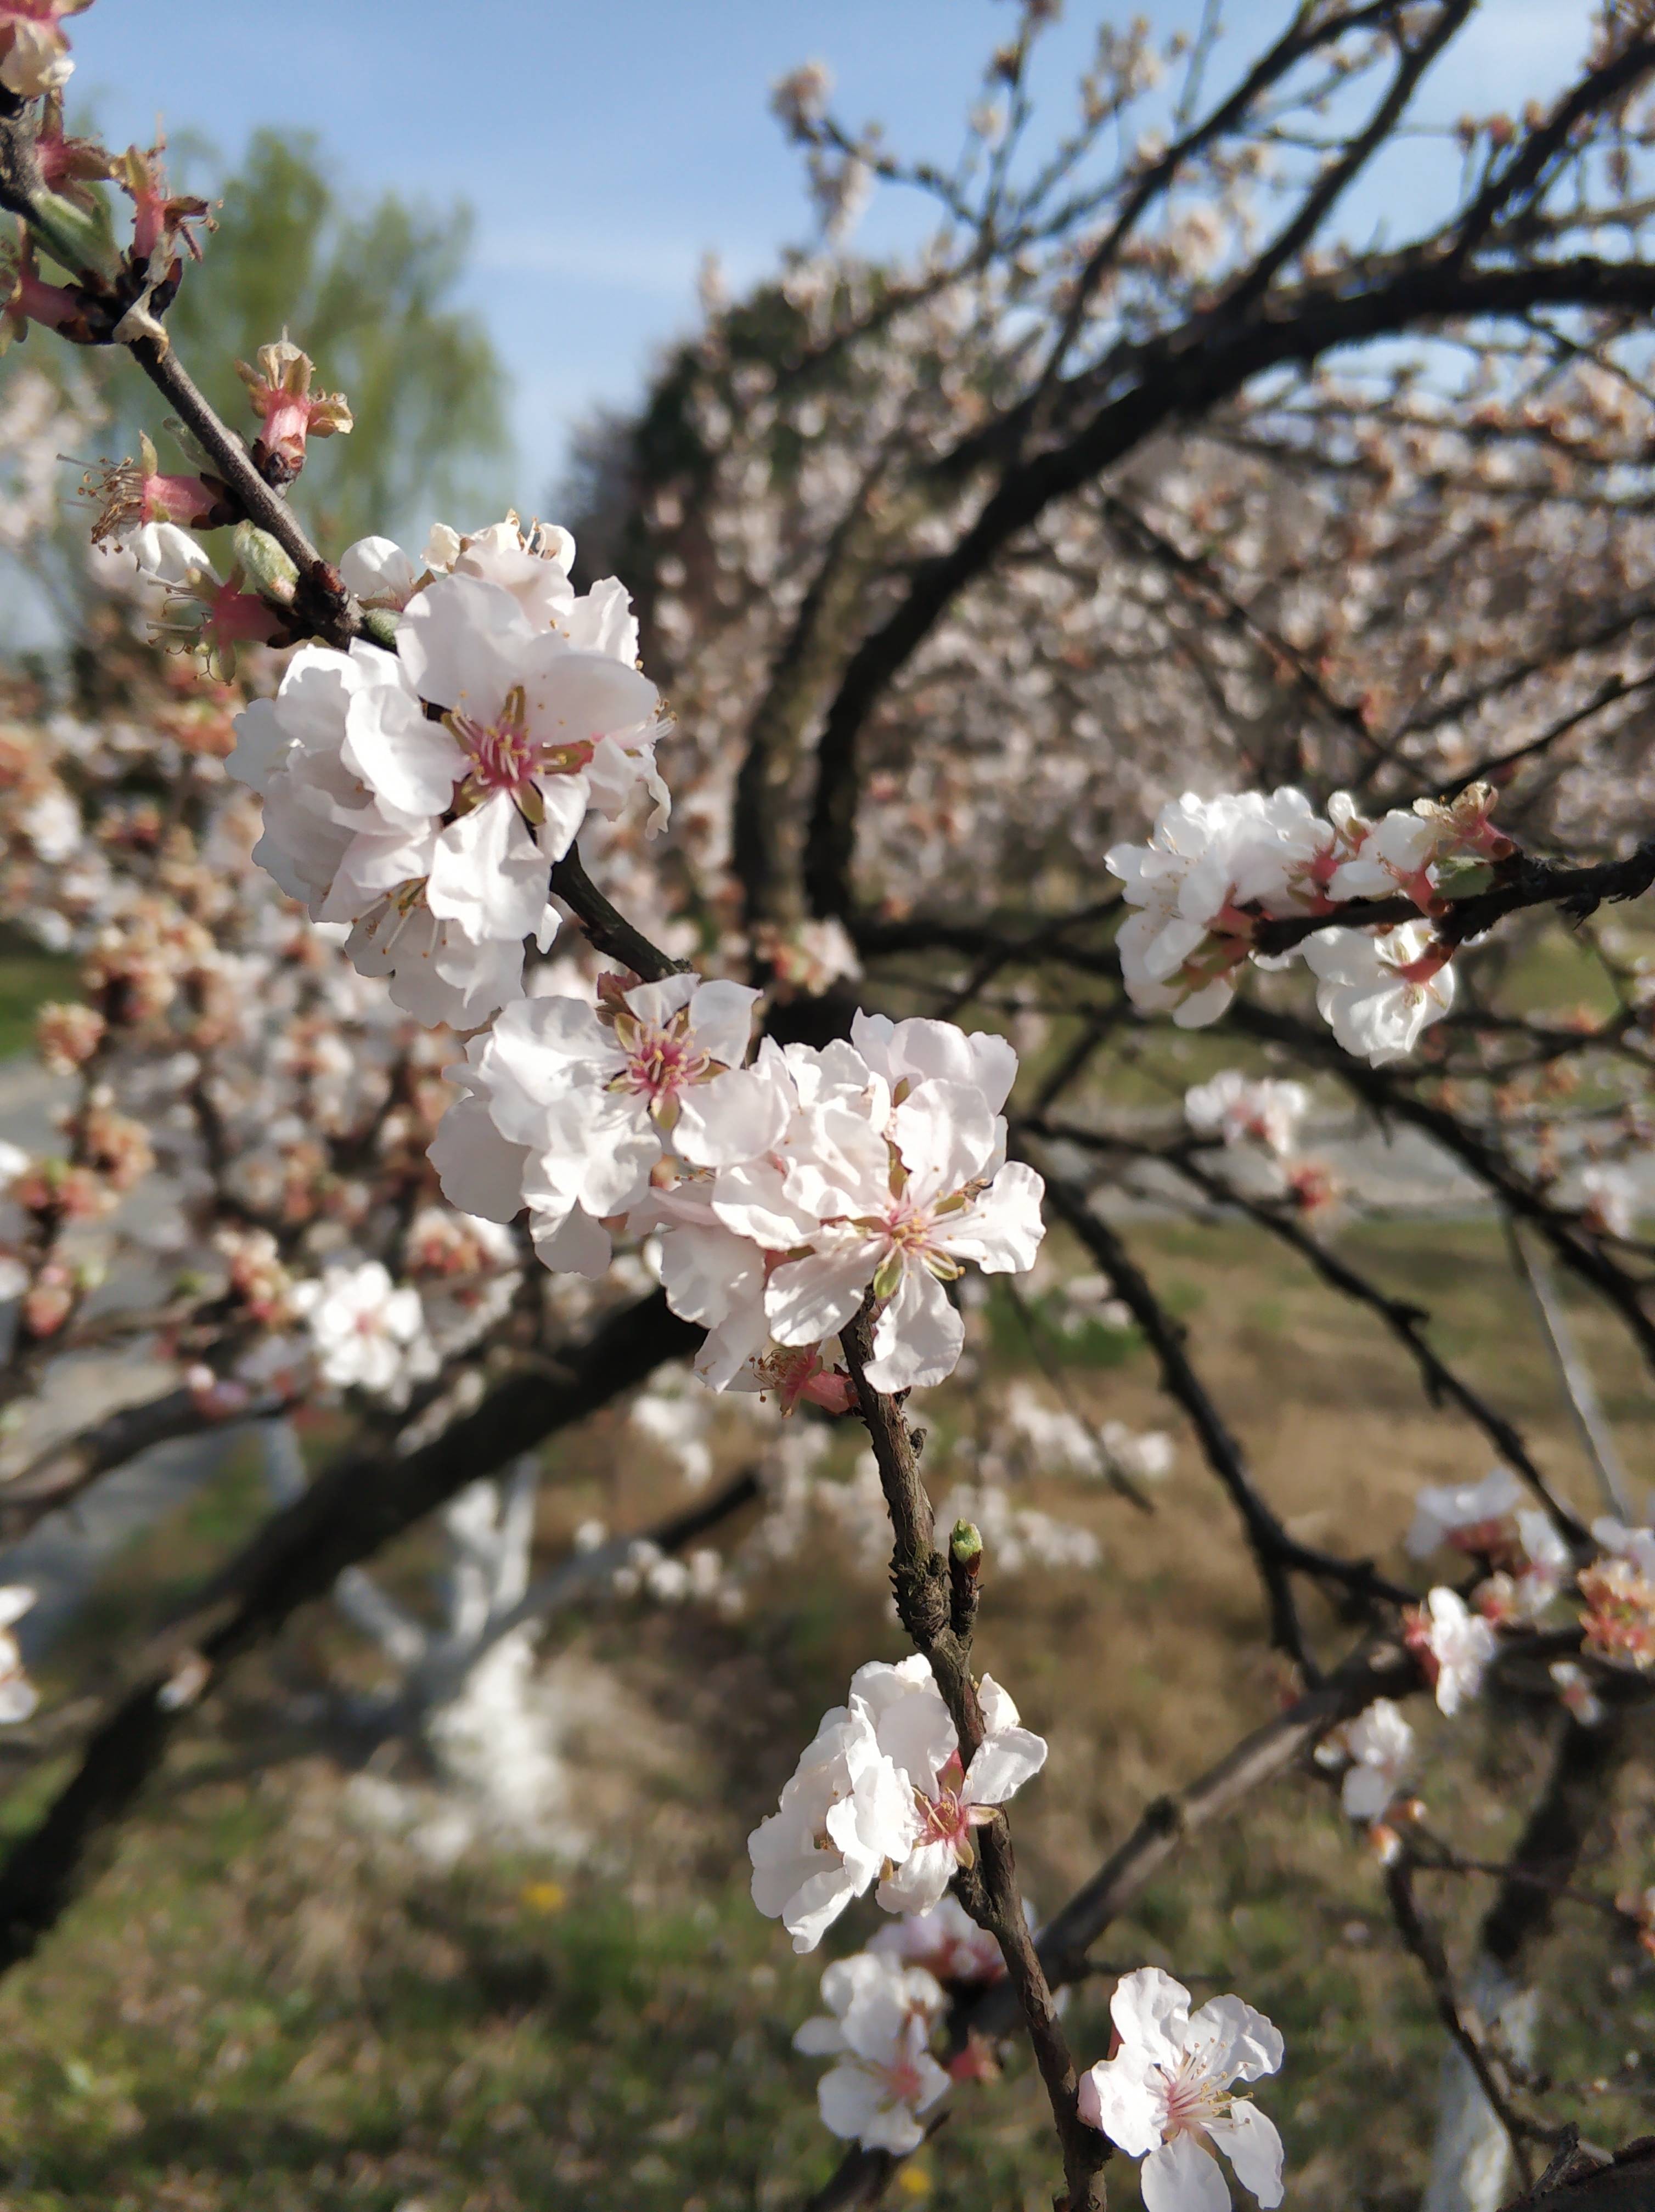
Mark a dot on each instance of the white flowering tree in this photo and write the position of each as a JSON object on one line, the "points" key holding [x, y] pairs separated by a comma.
{"points": [[1146, 611]]}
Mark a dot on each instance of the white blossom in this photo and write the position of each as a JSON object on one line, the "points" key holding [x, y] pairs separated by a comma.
{"points": [[1234, 1106], [18, 1695], [1380, 1742], [945, 1941], [368, 1335], [878, 2022], [1380, 991], [847, 1811], [1452, 1644], [913, 1729], [1165, 2095], [1471, 1516]]}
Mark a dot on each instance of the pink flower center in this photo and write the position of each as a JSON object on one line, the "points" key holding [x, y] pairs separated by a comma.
{"points": [[1193, 2098], [661, 1065], [902, 2078], [949, 1818], [504, 754]]}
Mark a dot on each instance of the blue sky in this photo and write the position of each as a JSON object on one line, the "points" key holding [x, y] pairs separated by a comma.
{"points": [[605, 145]]}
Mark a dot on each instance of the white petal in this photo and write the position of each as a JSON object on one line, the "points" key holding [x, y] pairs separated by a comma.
{"points": [[479, 1171], [1151, 2012], [947, 1136], [1181, 2177], [1003, 1230], [733, 1118], [565, 798], [1241, 2044], [486, 874], [810, 1298], [918, 1337], [1116, 2099], [1253, 2146], [1002, 1765]]}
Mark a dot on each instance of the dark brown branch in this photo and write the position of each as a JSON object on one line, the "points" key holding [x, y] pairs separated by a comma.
{"points": [[1558, 1830], [1522, 882], [921, 1580], [606, 927], [1467, 2032]]}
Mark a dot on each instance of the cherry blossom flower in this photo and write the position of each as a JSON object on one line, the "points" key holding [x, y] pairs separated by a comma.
{"points": [[1470, 1516], [1380, 1743], [1165, 2097], [899, 1209], [1619, 1620], [18, 1695], [571, 1107], [533, 726], [203, 611], [1452, 1644], [1380, 990], [134, 493], [879, 2023], [1517, 1595], [1609, 1198], [846, 1813], [532, 565], [368, 1335], [1234, 1106], [914, 1731]]}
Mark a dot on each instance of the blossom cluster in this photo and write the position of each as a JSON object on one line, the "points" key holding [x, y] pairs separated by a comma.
{"points": [[1213, 870], [783, 1193], [882, 1795], [415, 796]]}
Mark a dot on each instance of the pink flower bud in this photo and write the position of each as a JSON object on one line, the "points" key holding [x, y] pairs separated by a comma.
{"points": [[280, 391]]}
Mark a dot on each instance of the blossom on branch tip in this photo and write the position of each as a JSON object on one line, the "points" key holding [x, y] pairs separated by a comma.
{"points": [[368, 1335], [1470, 1516], [1379, 1744], [1165, 2095]]}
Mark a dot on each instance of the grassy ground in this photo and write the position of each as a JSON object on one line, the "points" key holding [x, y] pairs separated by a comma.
{"points": [[268, 2004]]}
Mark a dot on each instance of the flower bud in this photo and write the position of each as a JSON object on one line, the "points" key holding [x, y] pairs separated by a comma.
{"points": [[279, 389], [265, 565]]}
